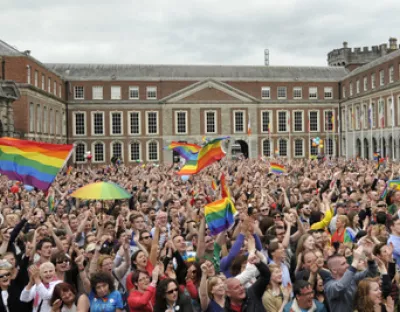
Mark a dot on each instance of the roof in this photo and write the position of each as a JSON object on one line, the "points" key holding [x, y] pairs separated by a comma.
{"points": [[7, 50], [370, 65], [196, 72]]}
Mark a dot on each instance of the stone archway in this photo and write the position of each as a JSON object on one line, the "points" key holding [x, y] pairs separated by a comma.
{"points": [[366, 149], [240, 147]]}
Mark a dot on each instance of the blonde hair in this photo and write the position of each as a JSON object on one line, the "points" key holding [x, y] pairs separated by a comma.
{"points": [[211, 283], [45, 266], [101, 260]]}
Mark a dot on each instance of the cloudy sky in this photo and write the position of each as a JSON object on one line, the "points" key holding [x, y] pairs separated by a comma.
{"points": [[296, 32]]}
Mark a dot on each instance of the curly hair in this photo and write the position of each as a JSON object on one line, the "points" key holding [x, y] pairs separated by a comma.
{"points": [[102, 277], [362, 301], [161, 301]]}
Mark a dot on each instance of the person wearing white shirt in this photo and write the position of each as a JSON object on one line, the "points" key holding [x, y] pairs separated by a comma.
{"points": [[40, 287]]}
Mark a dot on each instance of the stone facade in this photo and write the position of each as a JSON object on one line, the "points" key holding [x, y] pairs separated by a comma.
{"points": [[8, 94]]}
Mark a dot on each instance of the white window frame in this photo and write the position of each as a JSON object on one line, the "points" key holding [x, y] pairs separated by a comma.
{"points": [[374, 114], [388, 116], [287, 147], [134, 88], [147, 122], [358, 86], [74, 123], [81, 89], [115, 92], [294, 93], [327, 91], [84, 151], [57, 129], [97, 92], [318, 120], [130, 150], [55, 88], [121, 114], [215, 122], [326, 111], [365, 83], [59, 90], [381, 77], [45, 119], [244, 120], [265, 89], [357, 115], [112, 149], [343, 120], [271, 147], [373, 82], [93, 121], [51, 121], [64, 122], [186, 121], [32, 120], [147, 150], [391, 74], [326, 146], [43, 82], [280, 89], [344, 92], [93, 151], [302, 148], [311, 148], [365, 121], [36, 77], [270, 113], [351, 88], [130, 123], [49, 84], [39, 118], [28, 74], [149, 90], [293, 121], [311, 92], [277, 120]]}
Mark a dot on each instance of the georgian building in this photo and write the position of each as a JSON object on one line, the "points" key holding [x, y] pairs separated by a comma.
{"points": [[133, 111]]}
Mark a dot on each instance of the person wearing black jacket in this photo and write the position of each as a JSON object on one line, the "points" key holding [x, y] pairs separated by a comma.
{"points": [[247, 300]]}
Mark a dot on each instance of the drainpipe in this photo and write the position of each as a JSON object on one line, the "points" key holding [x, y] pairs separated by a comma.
{"points": [[3, 69], [340, 120], [66, 110]]}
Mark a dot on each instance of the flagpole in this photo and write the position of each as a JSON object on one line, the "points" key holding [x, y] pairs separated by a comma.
{"points": [[370, 120], [382, 106], [393, 119], [309, 138], [354, 130], [338, 120], [290, 143], [362, 129], [347, 136]]}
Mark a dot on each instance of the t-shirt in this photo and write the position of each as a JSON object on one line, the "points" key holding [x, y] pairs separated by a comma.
{"points": [[107, 304]]}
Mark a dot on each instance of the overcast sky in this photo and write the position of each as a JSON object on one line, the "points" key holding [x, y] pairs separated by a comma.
{"points": [[223, 32]]}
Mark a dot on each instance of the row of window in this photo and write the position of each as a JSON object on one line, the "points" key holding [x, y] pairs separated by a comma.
{"points": [[283, 122], [51, 87], [98, 150], [48, 120], [366, 116], [282, 147], [297, 93], [151, 93], [97, 93], [372, 82]]}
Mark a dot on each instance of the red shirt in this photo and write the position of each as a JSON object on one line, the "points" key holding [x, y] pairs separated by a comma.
{"points": [[129, 284]]}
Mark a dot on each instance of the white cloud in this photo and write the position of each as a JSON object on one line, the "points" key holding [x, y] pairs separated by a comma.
{"points": [[195, 31]]}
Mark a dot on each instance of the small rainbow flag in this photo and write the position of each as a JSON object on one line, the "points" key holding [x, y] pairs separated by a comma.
{"points": [[190, 256], [32, 163], [220, 215], [277, 168], [224, 187], [185, 150], [213, 184], [376, 156], [394, 184]]}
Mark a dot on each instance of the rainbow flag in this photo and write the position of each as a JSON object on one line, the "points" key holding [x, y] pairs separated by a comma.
{"points": [[185, 150], [277, 168], [220, 215], [190, 256], [224, 187], [394, 184], [32, 163], [213, 184], [208, 154], [376, 156]]}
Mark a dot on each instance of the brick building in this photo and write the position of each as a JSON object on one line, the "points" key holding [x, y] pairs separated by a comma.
{"points": [[133, 111]]}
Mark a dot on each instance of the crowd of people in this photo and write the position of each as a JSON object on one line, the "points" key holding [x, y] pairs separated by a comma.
{"points": [[324, 236]]}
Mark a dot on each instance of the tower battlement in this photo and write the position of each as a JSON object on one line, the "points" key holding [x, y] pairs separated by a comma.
{"points": [[346, 56]]}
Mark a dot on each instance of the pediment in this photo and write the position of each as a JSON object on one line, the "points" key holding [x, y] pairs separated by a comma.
{"points": [[209, 91]]}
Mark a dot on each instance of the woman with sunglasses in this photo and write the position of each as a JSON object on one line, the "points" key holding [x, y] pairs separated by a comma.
{"points": [[9, 299], [169, 299]]}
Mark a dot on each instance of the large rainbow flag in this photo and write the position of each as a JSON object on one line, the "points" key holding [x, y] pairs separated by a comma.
{"points": [[208, 154], [187, 151], [32, 163], [220, 215]]}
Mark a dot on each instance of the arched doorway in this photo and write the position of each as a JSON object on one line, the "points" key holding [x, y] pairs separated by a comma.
{"points": [[240, 147], [374, 145], [383, 147], [358, 148], [366, 149]]}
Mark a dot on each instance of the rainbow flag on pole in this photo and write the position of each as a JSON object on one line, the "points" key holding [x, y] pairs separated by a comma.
{"points": [[220, 215], [32, 163], [208, 154], [187, 151], [277, 168]]}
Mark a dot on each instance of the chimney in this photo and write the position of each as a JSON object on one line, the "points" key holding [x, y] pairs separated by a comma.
{"points": [[27, 52], [345, 45], [392, 43]]}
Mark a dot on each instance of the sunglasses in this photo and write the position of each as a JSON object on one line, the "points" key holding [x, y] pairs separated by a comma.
{"points": [[62, 261], [5, 275], [169, 292], [146, 237]]}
